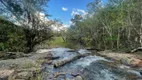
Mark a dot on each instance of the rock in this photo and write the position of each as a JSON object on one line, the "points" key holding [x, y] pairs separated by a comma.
{"points": [[132, 62], [58, 74], [139, 64], [49, 56], [6, 74], [78, 78], [49, 62], [125, 58], [134, 72], [13, 55], [23, 75]]}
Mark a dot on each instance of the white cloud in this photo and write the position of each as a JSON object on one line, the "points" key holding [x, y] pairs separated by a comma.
{"points": [[70, 22], [82, 11], [42, 16], [74, 13], [79, 11], [57, 27], [64, 9]]}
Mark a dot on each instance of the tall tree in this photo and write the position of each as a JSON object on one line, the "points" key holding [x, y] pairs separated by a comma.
{"points": [[27, 14], [116, 24]]}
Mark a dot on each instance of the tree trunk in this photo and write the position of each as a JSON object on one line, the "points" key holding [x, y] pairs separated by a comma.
{"points": [[118, 39]]}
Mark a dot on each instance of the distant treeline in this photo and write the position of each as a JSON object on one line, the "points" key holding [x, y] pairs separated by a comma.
{"points": [[116, 24]]}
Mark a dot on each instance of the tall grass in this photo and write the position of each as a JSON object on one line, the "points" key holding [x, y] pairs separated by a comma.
{"points": [[59, 42]]}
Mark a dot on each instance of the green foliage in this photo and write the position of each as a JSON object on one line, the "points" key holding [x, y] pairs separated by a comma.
{"points": [[34, 30], [26, 13], [12, 37], [59, 42], [114, 25]]}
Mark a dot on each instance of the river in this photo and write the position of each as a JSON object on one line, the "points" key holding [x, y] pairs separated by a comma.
{"points": [[90, 67]]}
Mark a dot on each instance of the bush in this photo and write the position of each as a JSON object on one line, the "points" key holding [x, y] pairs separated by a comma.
{"points": [[12, 37]]}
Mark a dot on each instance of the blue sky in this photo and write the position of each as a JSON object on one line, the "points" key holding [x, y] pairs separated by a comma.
{"points": [[65, 9]]}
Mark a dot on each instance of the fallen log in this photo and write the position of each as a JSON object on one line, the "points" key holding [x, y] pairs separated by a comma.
{"points": [[137, 49], [63, 62]]}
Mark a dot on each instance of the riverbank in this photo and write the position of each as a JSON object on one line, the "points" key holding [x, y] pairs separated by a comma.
{"points": [[23, 68], [67, 62], [130, 59]]}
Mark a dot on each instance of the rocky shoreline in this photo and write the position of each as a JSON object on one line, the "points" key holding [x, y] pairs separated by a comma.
{"points": [[23, 68], [31, 67], [125, 58]]}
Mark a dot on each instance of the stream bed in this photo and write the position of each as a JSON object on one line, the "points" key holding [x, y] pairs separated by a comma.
{"points": [[90, 67]]}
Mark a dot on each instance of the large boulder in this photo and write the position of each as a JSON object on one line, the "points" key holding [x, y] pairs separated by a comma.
{"points": [[125, 58], [6, 74], [132, 62]]}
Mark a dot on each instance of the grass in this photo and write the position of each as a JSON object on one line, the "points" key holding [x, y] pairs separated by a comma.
{"points": [[59, 42], [56, 42]]}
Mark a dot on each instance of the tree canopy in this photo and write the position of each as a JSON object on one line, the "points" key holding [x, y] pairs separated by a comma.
{"points": [[26, 13], [113, 25]]}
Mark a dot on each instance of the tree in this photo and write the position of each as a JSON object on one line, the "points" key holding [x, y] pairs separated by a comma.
{"points": [[12, 37], [114, 25], [27, 14]]}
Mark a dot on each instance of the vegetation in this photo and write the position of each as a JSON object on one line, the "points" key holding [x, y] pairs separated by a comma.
{"points": [[59, 42], [12, 37], [116, 25], [26, 14]]}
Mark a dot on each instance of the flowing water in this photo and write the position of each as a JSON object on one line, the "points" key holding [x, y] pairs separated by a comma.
{"points": [[89, 67]]}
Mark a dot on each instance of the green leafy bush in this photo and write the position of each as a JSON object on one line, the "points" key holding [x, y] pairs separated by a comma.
{"points": [[12, 37]]}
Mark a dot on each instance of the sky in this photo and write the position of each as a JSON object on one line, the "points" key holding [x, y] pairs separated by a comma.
{"points": [[64, 10]]}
